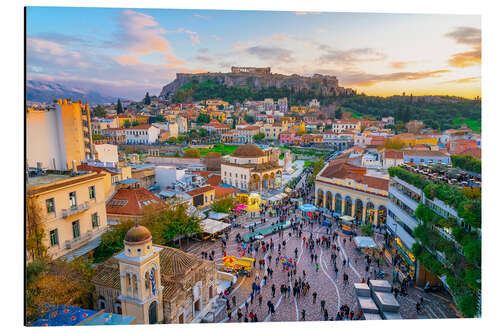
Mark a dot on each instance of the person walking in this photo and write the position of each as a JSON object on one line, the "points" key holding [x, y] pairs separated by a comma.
{"points": [[260, 300], [246, 305], [325, 315], [239, 314], [322, 303], [314, 297], [234, 300], [303, 314], [273, 290]]}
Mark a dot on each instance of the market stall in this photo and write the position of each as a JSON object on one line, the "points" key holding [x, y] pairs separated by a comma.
{"points": [[308, 209], [212, 228], [364, 242]]}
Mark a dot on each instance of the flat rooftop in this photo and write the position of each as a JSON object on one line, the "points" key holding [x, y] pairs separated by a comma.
{"points": [[45, 179]]}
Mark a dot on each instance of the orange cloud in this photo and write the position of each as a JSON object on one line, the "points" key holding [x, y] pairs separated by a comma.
{"points": [[466, 59], [366, 80], [399, 64], [472, 79], [466, 36], [126, 60]]}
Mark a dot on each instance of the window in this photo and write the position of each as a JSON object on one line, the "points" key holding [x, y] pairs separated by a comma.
{"points": [[95, 220], [54, 238], [76, 229], [50, 205], [72, 200], [92, 192]]}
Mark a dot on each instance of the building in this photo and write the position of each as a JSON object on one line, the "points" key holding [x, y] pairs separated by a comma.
{"points": [[338, 141], [59, 139], [99, 124], [131, 202], [345, 124], [289, 138], [388, 120], [72, 209], [142, 134], [409, 140], [251, 70], [457, 147], [425, 157], [271, 130], [114, 136], [215, 127], [391, 158], [106, 153], [250, 168], [145, 174], [202, 197], [345, 189], [155, 284], [112, 175]]}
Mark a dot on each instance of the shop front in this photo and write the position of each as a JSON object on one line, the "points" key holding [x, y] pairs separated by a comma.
{"points": [[404, 260]]}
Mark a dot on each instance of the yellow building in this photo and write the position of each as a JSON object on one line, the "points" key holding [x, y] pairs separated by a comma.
{"points": [[252, 201], [219, 115], [213, 104], [299, 109], [112, 177], [203, 196], [59, 139], [72, 209], [122, 119], [410, 140], [271, 131]]}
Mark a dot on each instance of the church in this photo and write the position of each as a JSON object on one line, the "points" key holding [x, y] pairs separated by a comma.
{"points": [[155, 284], [251, 168]]}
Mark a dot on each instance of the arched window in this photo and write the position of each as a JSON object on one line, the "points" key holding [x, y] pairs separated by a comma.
{"points": [[118, 307], [134, 283], [147, 282], [127, 281]]}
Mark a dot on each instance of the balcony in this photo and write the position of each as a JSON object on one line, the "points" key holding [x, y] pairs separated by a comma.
{"points": [[75, 209], [406, 218], [79, 241], [410, 202]]}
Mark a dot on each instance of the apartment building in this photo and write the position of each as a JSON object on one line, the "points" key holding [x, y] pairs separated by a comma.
{"points": [[73, 210]]}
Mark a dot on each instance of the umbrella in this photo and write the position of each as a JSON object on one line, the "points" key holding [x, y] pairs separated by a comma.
{"points": [[229, 259]]}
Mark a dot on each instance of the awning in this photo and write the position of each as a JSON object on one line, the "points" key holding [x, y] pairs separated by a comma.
{"points": [[363, 242], [308, 208], [278, 197], [347, 218], [217, 216], [240, 207], [211, 227]]}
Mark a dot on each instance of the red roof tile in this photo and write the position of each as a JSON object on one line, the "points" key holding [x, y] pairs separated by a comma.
{"points": [[200, 190], [132, 201], [214, 180]]}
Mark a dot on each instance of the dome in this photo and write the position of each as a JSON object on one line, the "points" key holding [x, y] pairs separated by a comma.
{"points": [[138, 234], [248, 150]]}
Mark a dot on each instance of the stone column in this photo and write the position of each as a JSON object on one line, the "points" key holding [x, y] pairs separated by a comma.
{"points": [[324, 200], [343, 206], [375, 218], [364, 214]]}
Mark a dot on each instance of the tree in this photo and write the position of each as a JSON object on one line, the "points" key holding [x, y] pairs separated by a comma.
{"points": [[203, 132], [156, 119], [135, 123], [147, 99], [99, 111], [318, 165], [181, 138], [203, 118], [126, 124], [338, 113], [58, 283], [224, 205], [192, 153], [249, 119], [35, 233], [172, 140], [112, 240], [220, 107], [119, 107], [259, 136]]}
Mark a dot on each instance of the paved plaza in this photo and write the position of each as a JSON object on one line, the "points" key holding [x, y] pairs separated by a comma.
{"points": [[319, 274]]}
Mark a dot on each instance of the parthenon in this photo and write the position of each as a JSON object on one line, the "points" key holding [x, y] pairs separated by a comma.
{"points": [[251, 70]]}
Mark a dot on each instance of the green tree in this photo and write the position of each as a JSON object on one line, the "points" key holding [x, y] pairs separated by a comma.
{"points": [[249, 119], [126, 124], [147, 99], [220, 107], [181, 138], [224, 205], [193, 153], [35, 233], [119, 107], [338, 113], [99, 111], [135, 123], [318, 165], [259, 136], [203, 118], [112, 240]]}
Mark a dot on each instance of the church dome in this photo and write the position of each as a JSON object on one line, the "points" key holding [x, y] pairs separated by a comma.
{"points": [[248, 150], [138, 234]]}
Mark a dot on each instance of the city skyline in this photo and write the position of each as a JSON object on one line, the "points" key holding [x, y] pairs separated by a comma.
{"points": [[126, 52]]}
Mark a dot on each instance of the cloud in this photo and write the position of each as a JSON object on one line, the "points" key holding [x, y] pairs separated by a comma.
{"points": [[399, 64], [366, 79], [270, 53], [217, 38], [61, 38], [472, 79], [350, 56], [126, 60], [43, 53], [466, 36], [201, 16], [141, 34]]}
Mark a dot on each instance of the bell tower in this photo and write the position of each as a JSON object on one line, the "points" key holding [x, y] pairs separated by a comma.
{"points": [[140, 279]]}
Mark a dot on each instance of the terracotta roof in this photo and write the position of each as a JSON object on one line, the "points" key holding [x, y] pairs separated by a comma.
{"points": [[139, 127], [221, 192], [86, 167], [200, 190], [476, 153], [248, 150], [132, 201], [214, 180], [203, 173], [393, 154]]}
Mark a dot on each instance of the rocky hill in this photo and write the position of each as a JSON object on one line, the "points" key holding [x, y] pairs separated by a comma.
{"points": [[323, 85]]}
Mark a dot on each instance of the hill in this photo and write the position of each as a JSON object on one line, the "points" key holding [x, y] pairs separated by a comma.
{"points": [[238, 86], [438, 112], [46, 92]]}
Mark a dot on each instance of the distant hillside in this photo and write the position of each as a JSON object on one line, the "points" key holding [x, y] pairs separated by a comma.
{"points": [[236, 87], [438, 112], [44, 91]]}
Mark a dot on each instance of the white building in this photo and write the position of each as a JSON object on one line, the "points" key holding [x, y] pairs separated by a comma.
{"points": [[167, 175], [106, 153], [142, 134]]}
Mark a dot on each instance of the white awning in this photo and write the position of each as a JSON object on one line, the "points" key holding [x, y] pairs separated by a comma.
{"points": [[210, 226]]}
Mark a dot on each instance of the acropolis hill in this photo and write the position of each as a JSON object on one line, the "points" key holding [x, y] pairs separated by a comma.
{"points": [[255, 77]]}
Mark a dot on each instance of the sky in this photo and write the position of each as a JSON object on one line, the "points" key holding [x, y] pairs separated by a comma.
{"points": [[126, 52]]}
